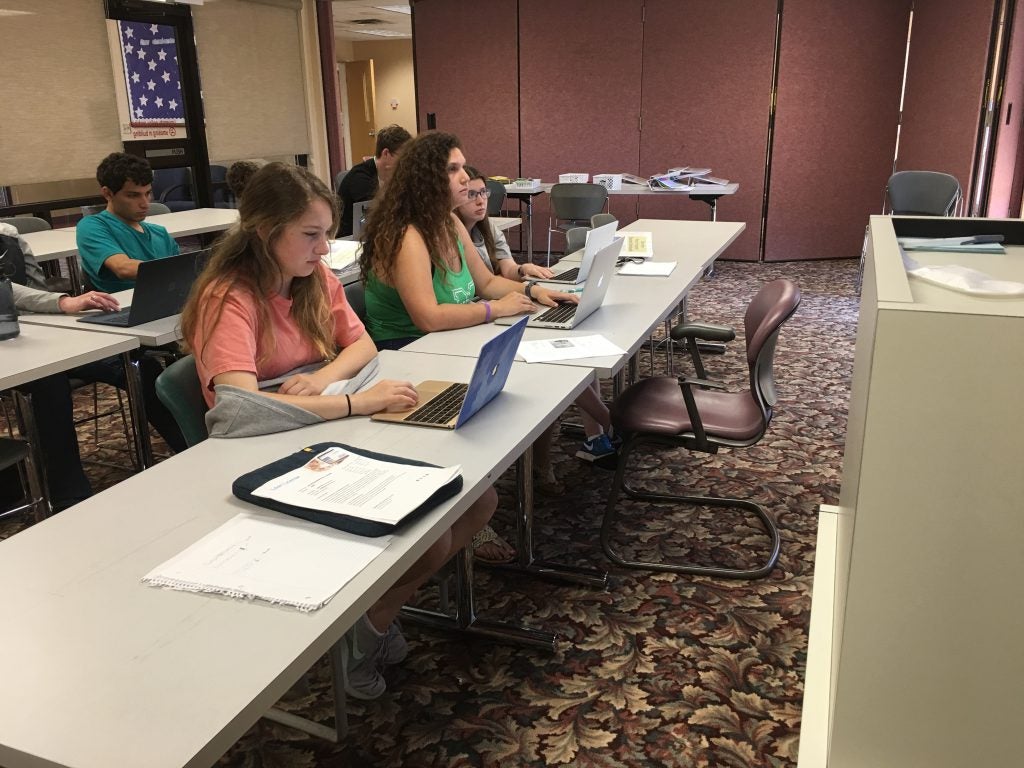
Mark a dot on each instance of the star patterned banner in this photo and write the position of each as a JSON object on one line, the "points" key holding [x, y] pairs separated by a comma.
{"points": [[150, 56]]}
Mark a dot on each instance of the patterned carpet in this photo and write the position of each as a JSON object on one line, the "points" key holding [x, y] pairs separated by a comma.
{"points": [[659, 670]]}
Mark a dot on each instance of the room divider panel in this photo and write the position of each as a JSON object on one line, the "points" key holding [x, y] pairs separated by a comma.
{"points": [[707, 84], [837, 109]]}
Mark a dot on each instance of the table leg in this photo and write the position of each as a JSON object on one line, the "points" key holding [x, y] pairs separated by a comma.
{"points": [[528, 223], [465, 619], [527, 561], [137, 406]]}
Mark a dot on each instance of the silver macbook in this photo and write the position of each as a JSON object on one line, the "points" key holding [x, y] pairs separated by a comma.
{"points": [[597, 238], [568, 315]]}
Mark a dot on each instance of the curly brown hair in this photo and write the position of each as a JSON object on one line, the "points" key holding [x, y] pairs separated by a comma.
{"points": [[417, 195], [276, 195]]}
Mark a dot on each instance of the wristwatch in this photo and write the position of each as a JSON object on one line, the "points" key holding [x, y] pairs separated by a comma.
{"points": [[529, 288]]}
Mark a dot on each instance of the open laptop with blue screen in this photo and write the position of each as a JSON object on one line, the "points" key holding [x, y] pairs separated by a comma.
{"points": [[597, 239], [449, 405]]}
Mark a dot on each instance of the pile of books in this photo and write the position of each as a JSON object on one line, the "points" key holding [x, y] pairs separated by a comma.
{"points": [[684, 179]]}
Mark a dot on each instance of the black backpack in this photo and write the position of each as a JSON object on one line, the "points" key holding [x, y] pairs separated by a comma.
{"points": [[11, 256]]}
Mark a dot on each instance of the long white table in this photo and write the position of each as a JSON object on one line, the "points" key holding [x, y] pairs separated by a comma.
{"points": [[633, 306], [105, 671], [198, 221], [40, 351], [152, 334]]}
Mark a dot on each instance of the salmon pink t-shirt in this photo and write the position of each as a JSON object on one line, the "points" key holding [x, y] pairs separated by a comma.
{"points": [[234, 343]]}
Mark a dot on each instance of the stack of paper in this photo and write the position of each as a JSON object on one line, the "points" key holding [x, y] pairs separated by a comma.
{"points": [[283, 560], [636, 244]]}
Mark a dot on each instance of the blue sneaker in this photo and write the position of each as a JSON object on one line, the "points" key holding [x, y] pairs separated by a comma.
{"points": [[595, 449]]}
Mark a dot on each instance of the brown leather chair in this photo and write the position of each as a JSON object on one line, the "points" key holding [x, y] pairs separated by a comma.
{"points": [[698, 415]]}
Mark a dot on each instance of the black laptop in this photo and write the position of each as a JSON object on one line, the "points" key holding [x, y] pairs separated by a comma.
{"points": [[161, 288]]}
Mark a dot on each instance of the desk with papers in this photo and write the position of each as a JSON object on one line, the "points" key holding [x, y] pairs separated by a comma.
{"points": [[111, 672]]}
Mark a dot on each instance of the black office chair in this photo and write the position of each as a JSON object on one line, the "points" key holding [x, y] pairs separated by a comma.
{"points": [[695, 414], [173, 188], [20, 454], [923, 193]]}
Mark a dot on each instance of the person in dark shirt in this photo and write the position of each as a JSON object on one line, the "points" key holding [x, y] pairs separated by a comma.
{"points": [[362, 181]]}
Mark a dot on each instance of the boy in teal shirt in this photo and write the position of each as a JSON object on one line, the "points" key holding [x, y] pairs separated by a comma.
{"points": [[112, 243]]}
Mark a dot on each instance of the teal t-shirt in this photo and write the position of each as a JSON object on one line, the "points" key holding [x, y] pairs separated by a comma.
{"points": [[386, 316], [102, 235]]}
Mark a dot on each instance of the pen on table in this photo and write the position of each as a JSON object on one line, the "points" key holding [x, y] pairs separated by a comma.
{"points": [[981, 239]]}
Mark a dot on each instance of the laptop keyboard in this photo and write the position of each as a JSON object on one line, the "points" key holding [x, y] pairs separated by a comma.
{"points": [[569, 276], [443, 408], [112, 318], [563, 313]]}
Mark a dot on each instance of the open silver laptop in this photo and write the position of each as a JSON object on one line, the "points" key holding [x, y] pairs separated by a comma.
{"points": [[449, 405], [568, 315], [360, 212], [597, 238]]}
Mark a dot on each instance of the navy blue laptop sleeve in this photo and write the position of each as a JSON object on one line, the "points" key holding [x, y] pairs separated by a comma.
{"points": [[244, 486]]}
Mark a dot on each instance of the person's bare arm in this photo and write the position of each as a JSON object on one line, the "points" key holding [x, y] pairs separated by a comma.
{"points": [[123, 266], [384, 395], [346, 365]]}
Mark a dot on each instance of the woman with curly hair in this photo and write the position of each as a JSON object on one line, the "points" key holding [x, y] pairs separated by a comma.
{"points": [[413, 261]]}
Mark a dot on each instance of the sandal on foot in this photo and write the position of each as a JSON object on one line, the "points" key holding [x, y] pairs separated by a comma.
{"points": [[486, 536]]}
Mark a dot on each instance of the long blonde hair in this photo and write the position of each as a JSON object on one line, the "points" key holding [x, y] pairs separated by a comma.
{"points": [[275, 196]]}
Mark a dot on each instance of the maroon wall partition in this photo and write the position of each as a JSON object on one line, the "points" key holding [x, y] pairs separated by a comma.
{"points": [[945, 86], [1002, 202], [466, 74], [840, 69], [579, 77], [707, 84]]}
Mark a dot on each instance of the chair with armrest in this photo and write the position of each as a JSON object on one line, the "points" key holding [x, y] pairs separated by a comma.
{"points": [[572, 205], [179, 390], [173, 188], [600, 219], [496, 201], [923, 193], [697, 415]]}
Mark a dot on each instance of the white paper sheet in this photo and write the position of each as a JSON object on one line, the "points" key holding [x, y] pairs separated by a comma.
{"points": [[567, 348], [648, 268], [636, 244], [283, 560], [343, 254], [341, 482], [964, 280]]}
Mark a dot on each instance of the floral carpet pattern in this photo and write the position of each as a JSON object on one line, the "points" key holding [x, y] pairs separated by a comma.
{"points": [[659, 669]]}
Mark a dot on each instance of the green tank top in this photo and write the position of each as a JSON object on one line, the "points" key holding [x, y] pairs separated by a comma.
{"points": [[386, 316]]}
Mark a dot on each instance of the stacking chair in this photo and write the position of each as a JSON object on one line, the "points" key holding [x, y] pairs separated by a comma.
{"points": [[600, 219], [338, 177], [156, 209], [354, 294], [178, 388], [173, 188], [923, 193], [496, 201], [575, 239], [572, 205], [26, 224], [20, 454], [695, 414]]}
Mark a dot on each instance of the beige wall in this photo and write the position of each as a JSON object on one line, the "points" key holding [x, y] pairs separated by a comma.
{"points": [[393, 75]]}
